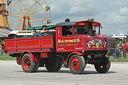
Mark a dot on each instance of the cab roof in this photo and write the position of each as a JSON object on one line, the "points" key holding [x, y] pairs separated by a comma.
{"points": [[65, 23], [80, 23]]}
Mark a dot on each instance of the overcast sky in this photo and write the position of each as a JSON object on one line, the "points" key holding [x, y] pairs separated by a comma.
{"points": [[112, 14]]}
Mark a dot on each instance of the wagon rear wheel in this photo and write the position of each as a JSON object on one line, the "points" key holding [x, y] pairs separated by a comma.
{"points": [[28, 65], [77, 64], [53, 65]]}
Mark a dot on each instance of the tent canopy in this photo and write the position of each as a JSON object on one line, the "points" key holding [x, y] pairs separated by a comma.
{"points": [[4, 32]]}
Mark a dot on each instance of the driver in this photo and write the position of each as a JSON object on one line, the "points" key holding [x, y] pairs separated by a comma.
{"points": [[67, 32]]}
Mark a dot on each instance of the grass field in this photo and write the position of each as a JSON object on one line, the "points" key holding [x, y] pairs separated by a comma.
{"points": [[119, 60], [7, 57]]}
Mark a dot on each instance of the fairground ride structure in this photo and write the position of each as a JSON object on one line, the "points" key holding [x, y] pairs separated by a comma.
{"points": [[27, 13]]}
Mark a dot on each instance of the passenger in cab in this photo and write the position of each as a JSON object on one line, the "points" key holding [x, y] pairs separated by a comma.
{"points": [[42, 33]]}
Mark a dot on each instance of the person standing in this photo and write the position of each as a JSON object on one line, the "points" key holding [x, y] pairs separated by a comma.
{"points": [[125, 49], [120, 46], [1, 50], [116, 54]]}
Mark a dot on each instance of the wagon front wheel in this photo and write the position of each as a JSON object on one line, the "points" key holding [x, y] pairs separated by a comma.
{"points": [[77, 64], [104, 66]]}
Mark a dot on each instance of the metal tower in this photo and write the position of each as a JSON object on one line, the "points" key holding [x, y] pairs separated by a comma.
{"points": [[3, 18]]}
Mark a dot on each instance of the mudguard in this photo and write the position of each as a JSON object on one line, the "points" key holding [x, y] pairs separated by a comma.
{"points": [[35, 57], [78, 53]]}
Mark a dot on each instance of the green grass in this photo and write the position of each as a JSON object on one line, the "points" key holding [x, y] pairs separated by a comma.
{"points": [[6, 57], [119, 60]]}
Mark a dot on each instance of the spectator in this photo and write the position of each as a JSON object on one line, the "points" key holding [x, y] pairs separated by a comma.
{"points": [[1, 49], [116, 54], [125, 49], [120, 46]]}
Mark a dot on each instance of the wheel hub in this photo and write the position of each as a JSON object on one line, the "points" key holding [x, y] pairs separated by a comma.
{"points": [[28, 63], [75, 64]]}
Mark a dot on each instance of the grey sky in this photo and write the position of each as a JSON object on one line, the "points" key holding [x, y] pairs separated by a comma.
{"points": [[113, 15]]}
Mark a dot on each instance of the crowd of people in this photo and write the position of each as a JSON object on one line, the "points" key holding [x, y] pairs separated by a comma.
{"points": [[121, 50]]}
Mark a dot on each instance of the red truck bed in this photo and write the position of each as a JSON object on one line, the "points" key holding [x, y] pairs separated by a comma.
{"points": [[37, 44]]}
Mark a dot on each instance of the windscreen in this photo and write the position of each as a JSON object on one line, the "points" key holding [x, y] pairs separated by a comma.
{"points": [[86, 30]]}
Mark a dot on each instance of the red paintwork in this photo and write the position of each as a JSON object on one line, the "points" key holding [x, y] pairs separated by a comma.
{"points": [[25, 63], [75, 44], [78, 53], [18, 59], [34, 56], [79, 42], [44, 55], [39, 44], [85, 23], [100, 43], [75, 64]]}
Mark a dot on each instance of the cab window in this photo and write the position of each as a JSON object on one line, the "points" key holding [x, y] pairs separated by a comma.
{"points": [[96, 29], [85, 30], [81, 30], [67, 30]]}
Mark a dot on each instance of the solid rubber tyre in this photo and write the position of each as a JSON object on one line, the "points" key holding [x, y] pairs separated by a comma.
{"points": [[77, 64], [28, 65], [36, 66], [53, 65], [104, 66]]}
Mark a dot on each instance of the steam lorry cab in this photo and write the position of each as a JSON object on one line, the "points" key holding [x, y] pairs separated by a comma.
{"points": [[73, 44]]}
